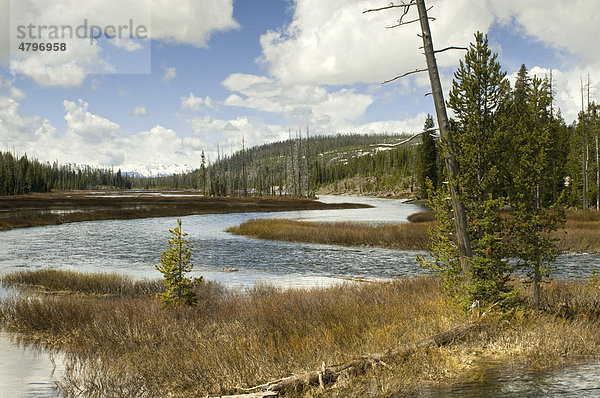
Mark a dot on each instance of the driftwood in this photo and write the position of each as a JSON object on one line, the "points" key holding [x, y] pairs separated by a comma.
{"points": [[329, 374], [347, 278], [251, 395]]}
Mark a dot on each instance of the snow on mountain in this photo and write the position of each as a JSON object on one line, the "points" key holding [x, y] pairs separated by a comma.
{"points": [[159, 170]]}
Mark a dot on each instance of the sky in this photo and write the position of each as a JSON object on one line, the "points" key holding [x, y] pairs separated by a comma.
{"points": [[207, 74]]}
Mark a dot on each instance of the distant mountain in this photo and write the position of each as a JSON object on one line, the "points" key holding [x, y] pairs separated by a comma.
{"points": [[159, 170]]}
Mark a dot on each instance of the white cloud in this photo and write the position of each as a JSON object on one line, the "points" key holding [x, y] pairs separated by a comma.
{"points": [[61, 69], [335, 43], [194, 103], [170, 74], [573, 27], [191, 21], [126, 44], [92, 139], [188, 23], [410, 125], [229, 133], [139, 111], [301, 104]]}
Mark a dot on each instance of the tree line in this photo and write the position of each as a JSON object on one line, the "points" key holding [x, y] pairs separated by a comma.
{"points": [[20, 175]]}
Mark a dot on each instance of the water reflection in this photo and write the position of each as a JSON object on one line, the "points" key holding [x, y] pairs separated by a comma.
{"points": [[499, 380], [27, 371]]}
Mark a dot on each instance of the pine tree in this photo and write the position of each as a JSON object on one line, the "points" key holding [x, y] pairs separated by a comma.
{"points": [[175, 263], [478, 98], [427, 165], [532, 217]]}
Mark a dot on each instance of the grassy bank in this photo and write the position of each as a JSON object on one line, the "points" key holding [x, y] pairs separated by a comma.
{"points": [[397, 236], [72, 206], [581, 232], [128, 346]]}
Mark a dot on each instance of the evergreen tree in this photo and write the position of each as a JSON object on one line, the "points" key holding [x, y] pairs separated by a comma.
{"points": [[478, 97], [175, 263], [532, 218], [427, 164]]}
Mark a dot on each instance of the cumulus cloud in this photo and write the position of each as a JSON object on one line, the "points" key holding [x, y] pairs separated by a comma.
{"points": [[191, 22], [301, 104], [230, 133], [92, 139], [193, 103], [188, 23], [556, 24], [169, 74], [409, 125], [323, 44], [139, 111]]}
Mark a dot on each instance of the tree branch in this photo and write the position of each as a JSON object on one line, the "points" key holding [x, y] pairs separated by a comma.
{"points": [[406, 74], [450, 48], [400, 23], [392, 5]]}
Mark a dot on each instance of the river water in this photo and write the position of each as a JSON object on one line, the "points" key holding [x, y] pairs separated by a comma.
{"points": [[133, 246]]}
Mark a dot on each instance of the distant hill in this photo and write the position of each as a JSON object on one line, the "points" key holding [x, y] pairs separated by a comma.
{"points": [[335, 164]]}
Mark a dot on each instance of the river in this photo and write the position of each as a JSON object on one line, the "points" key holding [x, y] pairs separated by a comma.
{"points": [[133, 246]]}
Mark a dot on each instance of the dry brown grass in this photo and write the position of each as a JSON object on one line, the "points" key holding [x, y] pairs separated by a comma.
{"points": [[422, 216], [395, 236], [581, 232], [230, 339], [74, 206], [78, 282], [129, 346]]}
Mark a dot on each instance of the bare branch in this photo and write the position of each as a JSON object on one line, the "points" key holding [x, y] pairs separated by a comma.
{"points": [[450, 48], [428, 94], [392, 5], [400, 23], [406, 74]]}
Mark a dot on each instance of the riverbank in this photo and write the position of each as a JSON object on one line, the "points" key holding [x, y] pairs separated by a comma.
{"points": [[122, 343], [72, 206], [580, 234]]}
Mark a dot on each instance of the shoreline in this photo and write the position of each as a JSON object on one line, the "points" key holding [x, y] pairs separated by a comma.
{"points": [[75, 206]]}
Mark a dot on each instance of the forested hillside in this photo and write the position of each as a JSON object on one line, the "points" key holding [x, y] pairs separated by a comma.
{"points": [[301, 165]]}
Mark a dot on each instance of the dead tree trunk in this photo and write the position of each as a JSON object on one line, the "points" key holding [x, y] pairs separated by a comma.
{"points": [[460, 217], [328, 374], [584, 201], [596, 128]]}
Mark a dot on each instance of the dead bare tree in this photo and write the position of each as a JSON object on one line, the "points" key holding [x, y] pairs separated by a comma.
{"points": [[460, 218], [584, 150], [596, 128]]}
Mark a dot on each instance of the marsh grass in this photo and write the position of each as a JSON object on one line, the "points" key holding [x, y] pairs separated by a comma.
{"points": [[580, 234], [128, 346], [78, 282], [395, 236], [75, 206], [422, 216]]}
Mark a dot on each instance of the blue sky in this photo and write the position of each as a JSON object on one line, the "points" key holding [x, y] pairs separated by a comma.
{"points": [[222, 70]]}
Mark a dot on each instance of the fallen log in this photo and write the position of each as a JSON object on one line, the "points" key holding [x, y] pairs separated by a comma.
{"points": [[250, 395], [328, 374]]}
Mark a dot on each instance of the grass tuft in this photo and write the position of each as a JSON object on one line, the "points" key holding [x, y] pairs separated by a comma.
{"points": [[77, 282]]}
